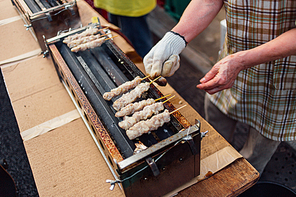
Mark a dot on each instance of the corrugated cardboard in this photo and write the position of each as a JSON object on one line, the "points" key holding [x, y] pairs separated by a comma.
{"points": [[68, 163], [64, 161], [7, 11], [36, 92], [15, 40]]}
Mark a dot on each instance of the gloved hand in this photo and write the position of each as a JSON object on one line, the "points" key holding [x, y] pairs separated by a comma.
{"points": [[163, 59]]}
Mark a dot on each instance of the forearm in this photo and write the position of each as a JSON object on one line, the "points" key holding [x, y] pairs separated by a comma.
{"points": [[163, 58], [280, 47], [196, 17]]}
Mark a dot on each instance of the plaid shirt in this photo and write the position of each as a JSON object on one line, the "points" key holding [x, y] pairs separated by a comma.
{"points": [[263, 96]]}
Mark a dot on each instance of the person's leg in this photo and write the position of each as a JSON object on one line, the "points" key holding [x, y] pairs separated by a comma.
{"points": [[113, 19], [136, 29], [258, 149], [221, 122]]}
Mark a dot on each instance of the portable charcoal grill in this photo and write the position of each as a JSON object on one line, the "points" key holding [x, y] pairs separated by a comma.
{"points": [[173, 154], [48, 17]]}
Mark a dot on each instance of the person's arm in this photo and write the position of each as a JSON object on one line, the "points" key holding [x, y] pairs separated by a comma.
{"points": [[224, 72], [196, 17], [163, 58]]}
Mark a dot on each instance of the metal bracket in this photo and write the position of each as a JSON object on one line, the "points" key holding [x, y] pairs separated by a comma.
{"points": [[70, 8], [153, 166], [191, 143], [49, 18]]}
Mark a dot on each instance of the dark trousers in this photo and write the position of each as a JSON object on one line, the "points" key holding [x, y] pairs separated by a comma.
{"points": [[136, 30]]}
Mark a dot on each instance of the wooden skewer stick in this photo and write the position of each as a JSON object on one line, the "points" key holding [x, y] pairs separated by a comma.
{"points": [[162, 97], [177, 109], [103, 28], [168, 99], [101, 35], [155, 79], [111, 37], [145, 77]]}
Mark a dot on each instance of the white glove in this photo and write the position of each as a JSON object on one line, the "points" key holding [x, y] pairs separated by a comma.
{"points": [[163, 59]]}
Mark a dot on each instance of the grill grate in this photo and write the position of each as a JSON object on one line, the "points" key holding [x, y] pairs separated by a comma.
{"points": [[175, 146], [101, 69]]}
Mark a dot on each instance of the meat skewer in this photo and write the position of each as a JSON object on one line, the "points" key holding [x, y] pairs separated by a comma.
{"points": [[84, 40], [111, 37], [144, 114], [151, 124], [122, 88], [145, 126], [87, 32], [177, 109], [131, 96], [137, 106], [133, 107], [89, 45]]}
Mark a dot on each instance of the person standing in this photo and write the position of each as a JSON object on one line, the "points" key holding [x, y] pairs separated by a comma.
{"points": [[254, 81], [131, 17]]}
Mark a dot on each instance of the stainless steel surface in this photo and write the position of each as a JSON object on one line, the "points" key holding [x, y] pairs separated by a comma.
{"points": [[44, 21], [174, 140]]}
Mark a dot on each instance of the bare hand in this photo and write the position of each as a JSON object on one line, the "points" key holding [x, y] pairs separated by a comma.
{"points": [[222, 75]]}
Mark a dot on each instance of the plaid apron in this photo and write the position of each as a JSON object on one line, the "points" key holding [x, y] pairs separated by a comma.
{"points": [[263, 96]]}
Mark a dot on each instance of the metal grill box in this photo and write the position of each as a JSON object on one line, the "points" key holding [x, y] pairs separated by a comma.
{"points": [[46, 18], [173, 154]]}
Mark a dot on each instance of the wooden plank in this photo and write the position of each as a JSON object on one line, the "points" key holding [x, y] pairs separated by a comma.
{"points": [[231, 181]]}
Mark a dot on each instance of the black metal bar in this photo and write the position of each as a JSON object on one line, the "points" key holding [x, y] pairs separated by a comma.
{"points": [[113, 71], [129, 66], [99, 75], [47, 4], [132, 70], [88, 61], [98, 103], [129, 69], [108, 67], [98, 71], [33, 6], [164, 132]]}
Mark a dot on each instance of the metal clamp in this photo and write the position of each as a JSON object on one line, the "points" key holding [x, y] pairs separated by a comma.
{"points": [[203, 134], [153, 166], [45, 53], [191, 143], [28, 26], [49, 18], [112, 183], [70, 8]]}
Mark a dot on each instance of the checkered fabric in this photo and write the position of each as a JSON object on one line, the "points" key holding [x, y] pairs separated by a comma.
{"points": [[263, 96]]}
